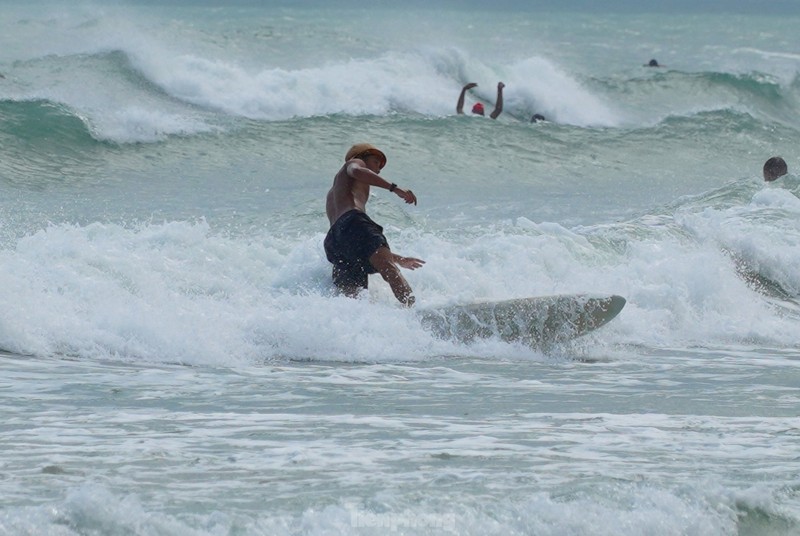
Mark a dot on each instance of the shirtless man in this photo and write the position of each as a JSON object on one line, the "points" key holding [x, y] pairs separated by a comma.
{"points": [[355, 244], [478, 108]]}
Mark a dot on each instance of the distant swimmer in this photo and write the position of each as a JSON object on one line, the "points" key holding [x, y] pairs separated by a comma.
{"points": [[653, 63], [478, 108], [775, 167], [355, 244], [537, 117]]}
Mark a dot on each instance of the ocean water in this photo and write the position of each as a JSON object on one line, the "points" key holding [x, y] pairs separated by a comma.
{"points": [[174, 360]]}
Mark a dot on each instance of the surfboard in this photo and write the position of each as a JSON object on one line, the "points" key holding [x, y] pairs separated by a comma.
{"points": [[539, 321]]}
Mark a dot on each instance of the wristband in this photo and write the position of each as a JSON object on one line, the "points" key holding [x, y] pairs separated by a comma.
{"points": [[392, 187]]}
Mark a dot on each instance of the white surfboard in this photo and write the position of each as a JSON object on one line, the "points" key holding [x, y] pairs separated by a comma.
{"points": [[539, 321]]}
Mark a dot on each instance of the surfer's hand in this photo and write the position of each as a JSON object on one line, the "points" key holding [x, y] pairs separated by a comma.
{"points": [[470, 86], [409, 263], [407, 195]]}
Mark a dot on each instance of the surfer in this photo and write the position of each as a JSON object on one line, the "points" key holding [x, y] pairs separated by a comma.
{"points": [[775, 167], [653, 63], [478, 108], [355, 244]]}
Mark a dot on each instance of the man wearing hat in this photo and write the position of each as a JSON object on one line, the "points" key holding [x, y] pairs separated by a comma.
{"points": [[478, 108], [355, 244]]}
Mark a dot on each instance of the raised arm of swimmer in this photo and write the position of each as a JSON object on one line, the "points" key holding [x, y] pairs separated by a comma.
{"points": [[460, 103], [498, 107]]}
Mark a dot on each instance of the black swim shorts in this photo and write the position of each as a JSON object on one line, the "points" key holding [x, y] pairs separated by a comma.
{"points": [[350, 242]]}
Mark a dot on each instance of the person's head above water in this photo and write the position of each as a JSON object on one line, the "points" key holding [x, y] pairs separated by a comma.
{"points": [[478, 108], [775, 167], [652, 63]]}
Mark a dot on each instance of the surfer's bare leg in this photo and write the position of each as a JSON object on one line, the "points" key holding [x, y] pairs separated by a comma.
{"points": [[345, 285], [383, 260]]}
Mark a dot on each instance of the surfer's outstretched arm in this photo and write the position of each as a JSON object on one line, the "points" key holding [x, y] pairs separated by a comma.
{"points": [[384, 262]]}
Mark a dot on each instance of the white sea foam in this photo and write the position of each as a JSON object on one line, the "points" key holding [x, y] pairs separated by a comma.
{"points": [[536, 84], [650, 511], [424, 79], [180, 292]]}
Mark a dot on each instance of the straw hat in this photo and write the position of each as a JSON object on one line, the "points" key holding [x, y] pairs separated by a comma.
{"points": [[363, 149]]}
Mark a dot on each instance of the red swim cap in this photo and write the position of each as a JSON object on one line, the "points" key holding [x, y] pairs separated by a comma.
{"points": [[478, 108]]}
